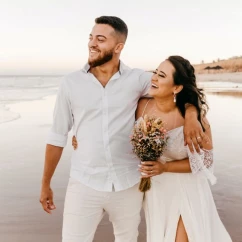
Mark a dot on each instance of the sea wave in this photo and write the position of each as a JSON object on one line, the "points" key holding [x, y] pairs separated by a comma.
{"points": [[18, 89], [29, 81]]}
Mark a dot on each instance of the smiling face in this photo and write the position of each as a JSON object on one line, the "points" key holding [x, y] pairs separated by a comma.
{"points": [[103, 45], [162, 82]]}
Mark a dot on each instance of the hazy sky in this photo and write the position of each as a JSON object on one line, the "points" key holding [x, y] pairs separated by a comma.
{"points": [[50, 36]]}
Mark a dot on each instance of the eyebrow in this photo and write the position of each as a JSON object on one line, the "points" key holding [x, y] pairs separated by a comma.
{"points": [[102, 36], [162, 72]]}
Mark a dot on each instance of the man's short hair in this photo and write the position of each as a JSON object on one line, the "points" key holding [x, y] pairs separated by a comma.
{"points": [[116, 23]]}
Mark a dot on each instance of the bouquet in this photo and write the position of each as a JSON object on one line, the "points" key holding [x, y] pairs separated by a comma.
{"points": [[149, 139]]}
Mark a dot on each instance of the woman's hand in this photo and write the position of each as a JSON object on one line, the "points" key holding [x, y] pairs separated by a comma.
{"points": [[151, 168], [74, 142]]}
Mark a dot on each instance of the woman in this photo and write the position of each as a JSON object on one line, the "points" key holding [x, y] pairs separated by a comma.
{"points": [[179, 207]]}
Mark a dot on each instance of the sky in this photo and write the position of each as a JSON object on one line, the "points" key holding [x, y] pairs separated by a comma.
{"points": [[51, 36]]}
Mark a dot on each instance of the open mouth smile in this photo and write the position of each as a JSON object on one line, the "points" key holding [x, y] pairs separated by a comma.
{"points": [[154, 86]]}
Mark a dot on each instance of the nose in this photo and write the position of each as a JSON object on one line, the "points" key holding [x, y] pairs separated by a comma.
{"points": [[154, 77], [92, 43]]}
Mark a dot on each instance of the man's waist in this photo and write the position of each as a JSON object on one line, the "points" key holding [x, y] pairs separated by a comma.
{"points": [[103, 159], [104, 166], [106, 181]]}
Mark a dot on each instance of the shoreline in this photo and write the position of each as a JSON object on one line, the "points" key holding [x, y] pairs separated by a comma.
{"points": [[214, 83], [5, 107], [17, 116]]}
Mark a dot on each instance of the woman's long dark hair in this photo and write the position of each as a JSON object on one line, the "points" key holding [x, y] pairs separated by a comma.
{"points": [[184, 75]]}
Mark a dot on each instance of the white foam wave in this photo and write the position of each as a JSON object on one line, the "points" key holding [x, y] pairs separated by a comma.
{"points": [[6, 115], [29, 81], [18, 89]]}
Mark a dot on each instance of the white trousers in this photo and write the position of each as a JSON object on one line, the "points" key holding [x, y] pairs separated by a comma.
{"points": [[85, 207]]}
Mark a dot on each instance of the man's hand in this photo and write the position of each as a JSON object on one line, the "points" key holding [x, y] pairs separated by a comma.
{"points": [[46, 199], [193, 133], [52, 157]]}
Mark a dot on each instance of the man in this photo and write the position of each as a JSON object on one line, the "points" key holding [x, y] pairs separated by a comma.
{"points": [[99, 103]]}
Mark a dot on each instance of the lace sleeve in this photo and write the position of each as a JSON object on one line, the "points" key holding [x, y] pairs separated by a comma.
{"points": [[202, 163]]}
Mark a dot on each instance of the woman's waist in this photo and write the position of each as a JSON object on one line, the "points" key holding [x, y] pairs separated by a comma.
{"points": [[174, 155], [178, 177]]}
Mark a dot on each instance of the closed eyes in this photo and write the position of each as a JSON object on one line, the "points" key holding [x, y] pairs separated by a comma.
{"points": [[161, 75]]}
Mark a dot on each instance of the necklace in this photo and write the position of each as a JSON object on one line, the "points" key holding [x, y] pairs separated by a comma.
{"points": [[154, 113]]}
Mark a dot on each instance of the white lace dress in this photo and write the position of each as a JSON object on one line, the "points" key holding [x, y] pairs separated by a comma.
{"points": [[183, 194]]}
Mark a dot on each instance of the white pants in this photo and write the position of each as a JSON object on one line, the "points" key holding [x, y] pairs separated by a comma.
{"points": [[85, 207]]}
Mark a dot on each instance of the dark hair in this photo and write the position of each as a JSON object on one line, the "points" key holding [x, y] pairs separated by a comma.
{"points": [[116, 23], [184, 75]]}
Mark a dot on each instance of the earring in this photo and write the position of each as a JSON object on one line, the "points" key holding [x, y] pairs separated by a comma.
{"points": [[174, 97]]}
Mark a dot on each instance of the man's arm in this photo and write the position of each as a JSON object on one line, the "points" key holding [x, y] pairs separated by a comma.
{"points": [[52, 157], [145, 83], [193, 131], [56, 141]]}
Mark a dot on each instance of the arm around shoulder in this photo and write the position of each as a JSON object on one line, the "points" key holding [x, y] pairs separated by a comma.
{"points": [[145, 82]]}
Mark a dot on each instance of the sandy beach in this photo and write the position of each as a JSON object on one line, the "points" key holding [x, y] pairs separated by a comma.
{"points": [[22, 145]]}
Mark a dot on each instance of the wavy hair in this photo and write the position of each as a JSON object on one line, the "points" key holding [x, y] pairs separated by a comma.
{"points": [[185, 75]]}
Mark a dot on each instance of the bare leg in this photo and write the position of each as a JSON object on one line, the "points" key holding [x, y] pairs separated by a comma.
{"points": [[181, 235]]}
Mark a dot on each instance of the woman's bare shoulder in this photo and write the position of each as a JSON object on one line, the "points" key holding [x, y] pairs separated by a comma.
{"points": [[141, 106]]}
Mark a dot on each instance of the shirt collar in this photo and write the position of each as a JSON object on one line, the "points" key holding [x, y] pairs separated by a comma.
{"points": [[122, 68]]}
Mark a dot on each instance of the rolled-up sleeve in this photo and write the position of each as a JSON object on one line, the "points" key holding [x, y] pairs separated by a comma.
{"points": [[62, 117], [145, 81]]}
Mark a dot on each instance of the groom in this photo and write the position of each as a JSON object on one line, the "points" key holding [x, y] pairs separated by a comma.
{"points": [[98, 102]]}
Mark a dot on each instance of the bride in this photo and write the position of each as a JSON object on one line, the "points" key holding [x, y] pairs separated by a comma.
{"points": [[179, 207]]}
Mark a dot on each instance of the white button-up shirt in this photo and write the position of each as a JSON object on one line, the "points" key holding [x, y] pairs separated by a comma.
{"points": [[102, 119]]}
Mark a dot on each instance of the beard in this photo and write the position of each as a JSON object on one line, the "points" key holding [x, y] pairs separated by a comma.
{"points": [[107, 56]]}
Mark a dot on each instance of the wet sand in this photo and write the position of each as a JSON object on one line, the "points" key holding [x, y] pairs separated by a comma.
{"points": [[235, 77], [22, 145]]}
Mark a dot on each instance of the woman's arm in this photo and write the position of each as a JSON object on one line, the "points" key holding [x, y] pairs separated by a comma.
{"points": [[202, 163], [179, 166], [154, 168]]}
